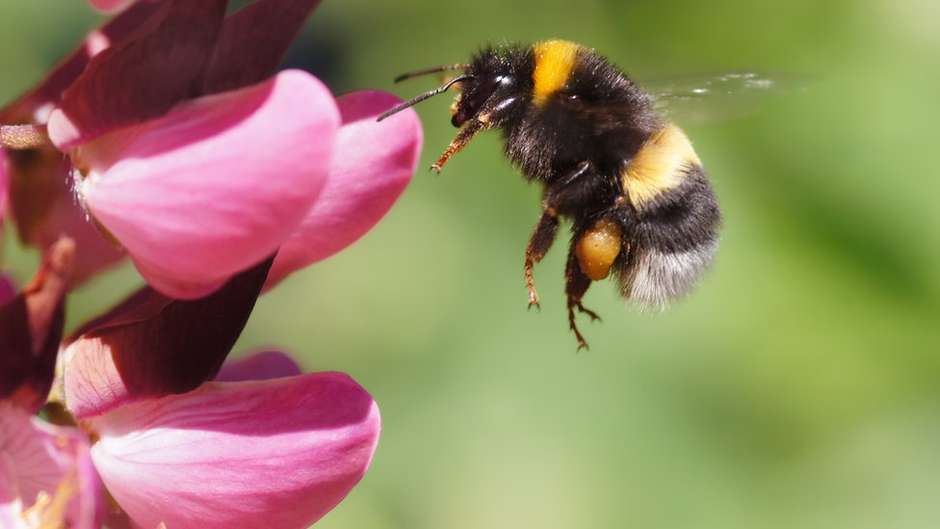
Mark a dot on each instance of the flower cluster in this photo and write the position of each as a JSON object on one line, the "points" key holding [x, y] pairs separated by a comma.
{"points": [[170, 138]]}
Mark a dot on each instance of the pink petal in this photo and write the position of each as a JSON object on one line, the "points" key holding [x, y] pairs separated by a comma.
{"points": [[276, 454], [40, 457], [151, 346], [215, 186], [253, 41], [372, 164], [110, 6], [142, 78], [259, 366]]}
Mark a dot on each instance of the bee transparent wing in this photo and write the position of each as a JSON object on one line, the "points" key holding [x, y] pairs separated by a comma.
{"points": [[711, 98]]}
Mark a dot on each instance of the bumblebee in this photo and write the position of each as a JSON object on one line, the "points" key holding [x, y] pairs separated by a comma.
{"points": [[635, 191]]}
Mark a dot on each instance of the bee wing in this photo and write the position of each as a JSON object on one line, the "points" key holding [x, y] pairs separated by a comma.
{"points": [[698, 99]]}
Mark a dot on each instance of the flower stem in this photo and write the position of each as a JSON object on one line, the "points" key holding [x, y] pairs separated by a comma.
{"points": [[23, 136]]}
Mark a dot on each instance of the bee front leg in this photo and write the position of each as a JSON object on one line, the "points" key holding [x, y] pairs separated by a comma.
{"points": [[542, 238]]}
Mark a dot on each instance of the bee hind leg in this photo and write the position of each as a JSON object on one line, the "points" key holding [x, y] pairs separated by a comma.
{"points": [[576, 285]]}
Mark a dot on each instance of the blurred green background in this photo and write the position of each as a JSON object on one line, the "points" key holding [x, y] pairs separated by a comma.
{"points": [[798, 387]]}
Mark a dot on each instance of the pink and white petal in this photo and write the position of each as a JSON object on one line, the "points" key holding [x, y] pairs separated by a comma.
{"points": [[40, 457], [93, 383], [275, 454], [259, 366], [216, 185], [372, 164]]}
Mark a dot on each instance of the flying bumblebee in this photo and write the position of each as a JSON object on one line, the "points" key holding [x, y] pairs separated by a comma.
{"points": [[639, 200]]}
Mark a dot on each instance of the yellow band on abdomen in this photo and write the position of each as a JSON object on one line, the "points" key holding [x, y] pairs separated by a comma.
{"points": [[658, 165]]}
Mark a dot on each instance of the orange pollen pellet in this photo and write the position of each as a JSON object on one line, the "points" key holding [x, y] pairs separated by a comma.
{"points": [[597, 249]]}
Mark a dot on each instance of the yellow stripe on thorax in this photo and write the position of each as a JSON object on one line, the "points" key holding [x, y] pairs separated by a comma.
{"points": [[657, 166], [554, 60]]}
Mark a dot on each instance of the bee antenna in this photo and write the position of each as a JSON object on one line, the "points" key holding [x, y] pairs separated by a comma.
{"points": [[433, 69], [427, 95]]}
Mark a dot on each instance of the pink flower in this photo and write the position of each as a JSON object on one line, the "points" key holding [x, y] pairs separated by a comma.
{"points": [[218, 177], [277, 453], [200, 163], [261, 446]]}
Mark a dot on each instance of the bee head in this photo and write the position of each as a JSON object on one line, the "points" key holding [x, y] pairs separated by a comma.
{"points": [[492, 88], [490, 92]]}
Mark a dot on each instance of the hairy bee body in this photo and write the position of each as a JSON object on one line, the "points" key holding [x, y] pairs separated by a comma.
{"points": [[638, 197]]}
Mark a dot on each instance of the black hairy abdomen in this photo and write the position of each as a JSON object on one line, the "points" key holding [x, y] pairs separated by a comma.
{"points": [[680, 219]]}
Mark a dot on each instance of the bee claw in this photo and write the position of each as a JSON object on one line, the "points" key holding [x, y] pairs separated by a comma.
{"points": [[582, 343], [533, 298], [590, 313]]}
